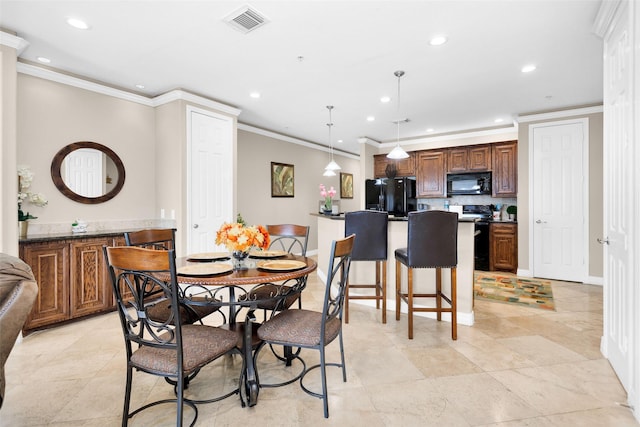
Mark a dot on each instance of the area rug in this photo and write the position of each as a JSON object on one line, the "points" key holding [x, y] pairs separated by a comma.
{"points": [[510, 289]]}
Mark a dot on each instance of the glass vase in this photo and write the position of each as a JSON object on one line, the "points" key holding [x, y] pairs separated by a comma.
{"points": [[238, 259]]}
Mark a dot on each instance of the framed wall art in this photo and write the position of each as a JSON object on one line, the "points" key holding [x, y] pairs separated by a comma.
{"points": [[346, 185], [282, 180]]}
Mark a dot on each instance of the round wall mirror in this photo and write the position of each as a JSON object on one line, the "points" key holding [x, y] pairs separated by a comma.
{"points": [[87, 172]]}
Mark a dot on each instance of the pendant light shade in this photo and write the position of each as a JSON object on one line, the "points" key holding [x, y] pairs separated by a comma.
{"points": [[398, 152], [332, 166]]}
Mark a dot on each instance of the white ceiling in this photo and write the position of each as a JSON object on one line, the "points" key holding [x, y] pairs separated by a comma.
{"points": [[343, 53]]}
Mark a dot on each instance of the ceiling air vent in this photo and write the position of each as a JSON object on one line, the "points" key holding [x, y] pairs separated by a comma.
{"points": [[246, 19]]}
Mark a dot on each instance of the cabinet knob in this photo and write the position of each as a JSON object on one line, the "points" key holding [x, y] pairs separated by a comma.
{"points": [[604, 241], [541, 222], [195, 225]]}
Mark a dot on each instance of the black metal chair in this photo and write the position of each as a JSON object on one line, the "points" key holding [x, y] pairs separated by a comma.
{"points": [[315, 329], [164, 239], [432, 242], [370, 228], [164, 348], [290, 238]]}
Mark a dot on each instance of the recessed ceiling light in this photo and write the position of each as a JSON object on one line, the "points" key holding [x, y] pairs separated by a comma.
{"points": [[371, 119], [43, 59], [78, 23], [528, 68], [385, 99], [140, 86], [339, 140], [438, 40], [430, 130], [255, 95], [498, 120]]}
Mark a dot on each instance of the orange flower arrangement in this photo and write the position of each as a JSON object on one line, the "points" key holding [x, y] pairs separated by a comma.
{"points": [[239, 237]]}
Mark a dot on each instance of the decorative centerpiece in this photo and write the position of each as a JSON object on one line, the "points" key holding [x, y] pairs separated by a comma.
{"points": [[240, 238], [328, 198], [25, 178]]}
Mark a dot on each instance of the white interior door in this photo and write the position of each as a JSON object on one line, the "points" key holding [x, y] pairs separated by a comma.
{"points": [[559, 205], [210, 171], [619, 195]]}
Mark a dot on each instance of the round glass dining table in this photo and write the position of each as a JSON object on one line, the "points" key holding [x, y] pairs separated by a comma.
{"points": [[214, 281]]}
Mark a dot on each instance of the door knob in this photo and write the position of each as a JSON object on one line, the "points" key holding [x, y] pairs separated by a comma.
{"points": [[541, 222], [604, 241], [195, 225]]}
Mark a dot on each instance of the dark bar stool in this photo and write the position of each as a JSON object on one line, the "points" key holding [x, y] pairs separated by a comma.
{"points": [[432, 242], [370, 228]]}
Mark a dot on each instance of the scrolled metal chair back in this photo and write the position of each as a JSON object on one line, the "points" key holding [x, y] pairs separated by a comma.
{"points": [[137, 271], [289, 237], [339, 264]]}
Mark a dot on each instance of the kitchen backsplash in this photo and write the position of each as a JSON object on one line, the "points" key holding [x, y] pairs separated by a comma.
{"points": [[425, 204]]}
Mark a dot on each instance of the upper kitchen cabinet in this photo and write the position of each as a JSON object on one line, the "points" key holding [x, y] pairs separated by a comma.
{"points": [[505, 169], [404, 167], [430, 175], [469, 159]]}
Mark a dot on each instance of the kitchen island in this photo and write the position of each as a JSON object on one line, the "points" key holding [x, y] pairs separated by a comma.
{"points": [[332, 228]]}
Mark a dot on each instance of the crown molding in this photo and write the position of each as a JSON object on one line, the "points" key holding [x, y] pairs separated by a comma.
{"points": [[68, 80], [285, 138], [179, 94], [12, 41], [560, 114], [452, 136], [174, 95]]}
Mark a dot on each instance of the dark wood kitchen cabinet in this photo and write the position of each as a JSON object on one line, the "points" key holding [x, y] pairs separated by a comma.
{"points": [[404, 167], [505, 169], [72, 278], [430, 174], [503, 247], [472, 158]]}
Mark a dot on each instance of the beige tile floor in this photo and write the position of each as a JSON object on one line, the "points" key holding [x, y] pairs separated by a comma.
{"points": [[515, 367]]}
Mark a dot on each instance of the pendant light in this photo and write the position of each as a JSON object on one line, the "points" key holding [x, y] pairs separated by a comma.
{"points": [[330, 169], [398, 152]]}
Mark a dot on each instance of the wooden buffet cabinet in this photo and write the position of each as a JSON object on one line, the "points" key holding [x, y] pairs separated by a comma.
{"points": [[503, 247], [72, 277]]}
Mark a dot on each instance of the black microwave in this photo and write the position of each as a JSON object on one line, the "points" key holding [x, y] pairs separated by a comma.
{"points": [[471, 183]]}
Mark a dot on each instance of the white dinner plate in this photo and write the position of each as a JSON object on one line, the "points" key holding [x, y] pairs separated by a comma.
{"points": [[208, 256], [282, 265], [267, 254], [205, 269]]}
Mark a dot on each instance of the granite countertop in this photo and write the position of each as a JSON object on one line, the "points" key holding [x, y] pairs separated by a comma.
{"points": [[71, 235], [391, 217]]}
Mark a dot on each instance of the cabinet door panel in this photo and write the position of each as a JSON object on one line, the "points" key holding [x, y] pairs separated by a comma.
{"points": [[504, 247], [457, 159], [479, 158], [505, 170], [90, 288], [48, 261], [431, 177]]}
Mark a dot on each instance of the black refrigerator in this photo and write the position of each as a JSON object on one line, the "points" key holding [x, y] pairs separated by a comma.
{"points": [[394, 195]]}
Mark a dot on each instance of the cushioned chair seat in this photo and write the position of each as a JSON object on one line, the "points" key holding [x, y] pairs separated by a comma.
{"points": [[201, 345], [298, 327], [189, 314]]}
